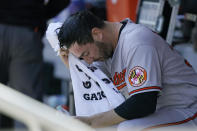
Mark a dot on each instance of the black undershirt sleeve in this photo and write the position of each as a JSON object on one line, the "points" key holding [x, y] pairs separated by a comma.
{"points": [[139, 105]]}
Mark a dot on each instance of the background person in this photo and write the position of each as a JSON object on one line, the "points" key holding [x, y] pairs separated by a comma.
{"points": [[22, 26]]}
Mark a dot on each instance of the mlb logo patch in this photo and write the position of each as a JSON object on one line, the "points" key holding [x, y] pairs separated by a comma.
{"points": [[137, 76]]}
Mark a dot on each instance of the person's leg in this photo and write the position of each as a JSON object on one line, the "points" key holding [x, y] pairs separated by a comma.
{"points": [[165, 118], [5, 121], [25, 72]]}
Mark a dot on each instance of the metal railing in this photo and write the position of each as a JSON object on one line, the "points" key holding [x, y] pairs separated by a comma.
{"points": [[36, 115]]}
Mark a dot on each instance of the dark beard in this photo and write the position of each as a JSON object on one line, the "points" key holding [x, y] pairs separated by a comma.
{"points": [[105, 50]]}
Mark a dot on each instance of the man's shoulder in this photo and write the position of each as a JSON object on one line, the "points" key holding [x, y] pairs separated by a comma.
{"points": [[136, 34]]}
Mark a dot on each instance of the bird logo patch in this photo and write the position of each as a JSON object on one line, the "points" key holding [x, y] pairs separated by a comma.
{"points": [[137, 76]]}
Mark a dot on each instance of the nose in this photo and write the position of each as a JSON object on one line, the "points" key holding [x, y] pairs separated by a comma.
{"points": [[89, 60]]}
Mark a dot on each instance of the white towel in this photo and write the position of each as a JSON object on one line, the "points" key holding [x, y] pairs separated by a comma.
{"points": [[93, 90], [51, 35]]}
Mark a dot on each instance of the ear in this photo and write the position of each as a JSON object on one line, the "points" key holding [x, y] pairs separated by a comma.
{"points": [[97, 34]]}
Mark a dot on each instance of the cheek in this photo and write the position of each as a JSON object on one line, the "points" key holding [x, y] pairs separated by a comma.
{"points": [[93, 51], [98, 52], [74, 52]]}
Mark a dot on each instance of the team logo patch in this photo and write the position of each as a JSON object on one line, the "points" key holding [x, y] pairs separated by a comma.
{"points": [[137, 76]]}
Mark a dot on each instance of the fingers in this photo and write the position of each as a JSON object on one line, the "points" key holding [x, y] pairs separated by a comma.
{"points": [[63, 50], [64, 56]]}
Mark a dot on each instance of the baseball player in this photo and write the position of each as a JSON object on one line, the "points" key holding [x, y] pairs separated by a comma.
{"points": [[159, 84]]}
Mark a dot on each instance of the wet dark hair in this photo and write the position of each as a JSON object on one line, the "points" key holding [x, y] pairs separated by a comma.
{"points": [[78, 28]]}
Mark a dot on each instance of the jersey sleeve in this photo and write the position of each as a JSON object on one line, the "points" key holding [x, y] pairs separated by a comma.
{"points": [[143, 70]]}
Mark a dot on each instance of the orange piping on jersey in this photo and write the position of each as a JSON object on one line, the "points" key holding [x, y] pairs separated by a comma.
{"points": [[171, 124], [121, 86], [145, 88], [187, 63]]}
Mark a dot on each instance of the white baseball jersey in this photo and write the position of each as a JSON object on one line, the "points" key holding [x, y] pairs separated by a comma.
{"points": [[143, 62]]}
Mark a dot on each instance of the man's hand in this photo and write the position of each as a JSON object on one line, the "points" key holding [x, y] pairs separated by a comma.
{"points": [[84, 119], [64, 56], [101, 120]]}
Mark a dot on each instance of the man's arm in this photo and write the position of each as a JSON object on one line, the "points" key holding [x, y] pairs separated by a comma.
{"points": [[139, 105], [102, 120]]}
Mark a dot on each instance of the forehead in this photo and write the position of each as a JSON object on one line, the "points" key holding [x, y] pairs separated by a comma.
{"points": [[77, 49]]}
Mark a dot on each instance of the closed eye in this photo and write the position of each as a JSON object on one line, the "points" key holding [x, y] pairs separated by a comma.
{"points": [[84, 54]]}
